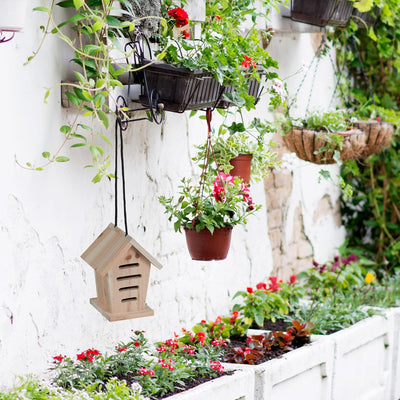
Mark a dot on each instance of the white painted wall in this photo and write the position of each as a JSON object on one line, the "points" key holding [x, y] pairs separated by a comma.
{"points": [[47, 219]]}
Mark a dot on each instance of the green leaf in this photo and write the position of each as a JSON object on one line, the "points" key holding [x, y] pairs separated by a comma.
{"points": [[91, 49], [103, 118], [97, 25], [41, 9], [105, 138], [73, 98], [61, 159], [65, 129], [80, 77], [79, 145], [46, 154], [78, 4]]}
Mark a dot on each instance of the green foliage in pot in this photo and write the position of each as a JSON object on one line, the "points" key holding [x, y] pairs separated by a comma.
{"points": [[230, 54], [222, 201], [234, 139], [95, 36]]}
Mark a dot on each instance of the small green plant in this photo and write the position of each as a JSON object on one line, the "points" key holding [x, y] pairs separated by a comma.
{"points": [[267, 302], [234, 139], [222, 327]]}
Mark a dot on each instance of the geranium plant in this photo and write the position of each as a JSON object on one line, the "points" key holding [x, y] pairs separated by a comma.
{"points": [[222, 201], [223, 49]]}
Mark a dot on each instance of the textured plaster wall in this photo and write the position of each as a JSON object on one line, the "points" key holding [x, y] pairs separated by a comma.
{"points": [[47, 219]]}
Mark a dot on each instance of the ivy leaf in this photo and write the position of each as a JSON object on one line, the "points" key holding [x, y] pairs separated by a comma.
{"points": [[61, 159]]}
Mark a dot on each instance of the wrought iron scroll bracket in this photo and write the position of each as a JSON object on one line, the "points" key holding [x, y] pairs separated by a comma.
{"points": [[139, 52]]}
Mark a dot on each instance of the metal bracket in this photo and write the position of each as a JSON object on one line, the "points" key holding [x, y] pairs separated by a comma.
{"points": [[4, 38]]}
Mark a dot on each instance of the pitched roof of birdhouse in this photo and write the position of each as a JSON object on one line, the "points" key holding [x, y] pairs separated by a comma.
{"points": [[109, 245]]}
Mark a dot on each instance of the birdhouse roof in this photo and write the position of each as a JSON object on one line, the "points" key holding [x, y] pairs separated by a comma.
{"points": [[109, 245]]}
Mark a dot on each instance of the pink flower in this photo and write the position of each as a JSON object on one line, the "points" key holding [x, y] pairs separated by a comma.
{"points": [[219, 185]]}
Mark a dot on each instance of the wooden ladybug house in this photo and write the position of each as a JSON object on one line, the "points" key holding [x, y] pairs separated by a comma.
{"points": [[122, 269]]}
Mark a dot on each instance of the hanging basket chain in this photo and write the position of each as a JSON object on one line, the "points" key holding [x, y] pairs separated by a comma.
{"points": [[209, 149]]}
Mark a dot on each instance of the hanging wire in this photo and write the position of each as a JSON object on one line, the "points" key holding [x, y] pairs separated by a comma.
{"points": [[119, 130]]}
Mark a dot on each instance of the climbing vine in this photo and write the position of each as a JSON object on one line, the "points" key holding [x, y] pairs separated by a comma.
{"points": [[369, 60]]}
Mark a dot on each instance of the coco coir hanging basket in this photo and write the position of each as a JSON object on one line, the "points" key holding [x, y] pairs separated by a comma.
{"points": [[315, 146], [377, 136]]}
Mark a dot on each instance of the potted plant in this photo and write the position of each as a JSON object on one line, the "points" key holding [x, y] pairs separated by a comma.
{"points": [[243, 151], [225, 65], [324, 138], [322, 12], [208, 212]]}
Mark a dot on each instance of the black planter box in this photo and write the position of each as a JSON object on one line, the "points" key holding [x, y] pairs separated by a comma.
{"points": [[322, 12], [254, 90], [180, 89]]}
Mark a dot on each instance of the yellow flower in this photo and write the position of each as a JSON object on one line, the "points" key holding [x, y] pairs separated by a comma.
{"points": [[369, 278]]}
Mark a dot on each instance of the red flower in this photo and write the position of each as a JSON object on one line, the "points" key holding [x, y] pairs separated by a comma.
{"points": [[180, 16], [121, 349], [217, 17], [203, 321], [261, 285], [186, 34], [292, 279], [218, 320], [248, 62], [59, 358], [234, 316], [274, 286], [144, 371], [250, 290], [378, 119], [201, 336]]}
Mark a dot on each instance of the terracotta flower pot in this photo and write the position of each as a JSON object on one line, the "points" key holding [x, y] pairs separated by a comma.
{"points": [[204, 246], [242, 167]]}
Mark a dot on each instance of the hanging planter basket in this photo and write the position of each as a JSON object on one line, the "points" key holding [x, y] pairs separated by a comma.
{"points": [[322, 12], [12, 15], [241, 167], [377, 136], [180, 89], [207, 246], [313, 146]]}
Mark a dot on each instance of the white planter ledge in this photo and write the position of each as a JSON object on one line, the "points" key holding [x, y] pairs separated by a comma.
{"points": [[238, 386], [363, 357], [306, 370]]}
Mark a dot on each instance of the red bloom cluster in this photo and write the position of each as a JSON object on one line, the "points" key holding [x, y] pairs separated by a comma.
{"points": [[144, 371], [249, 62], [188, 349], [59, 358], [219, 185], [169, 345], [274, 285], [121, 349], [88, 355], [180, 16], [261, 286], [186, 34], [220, 342], [165, 364], [216, 365]]}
